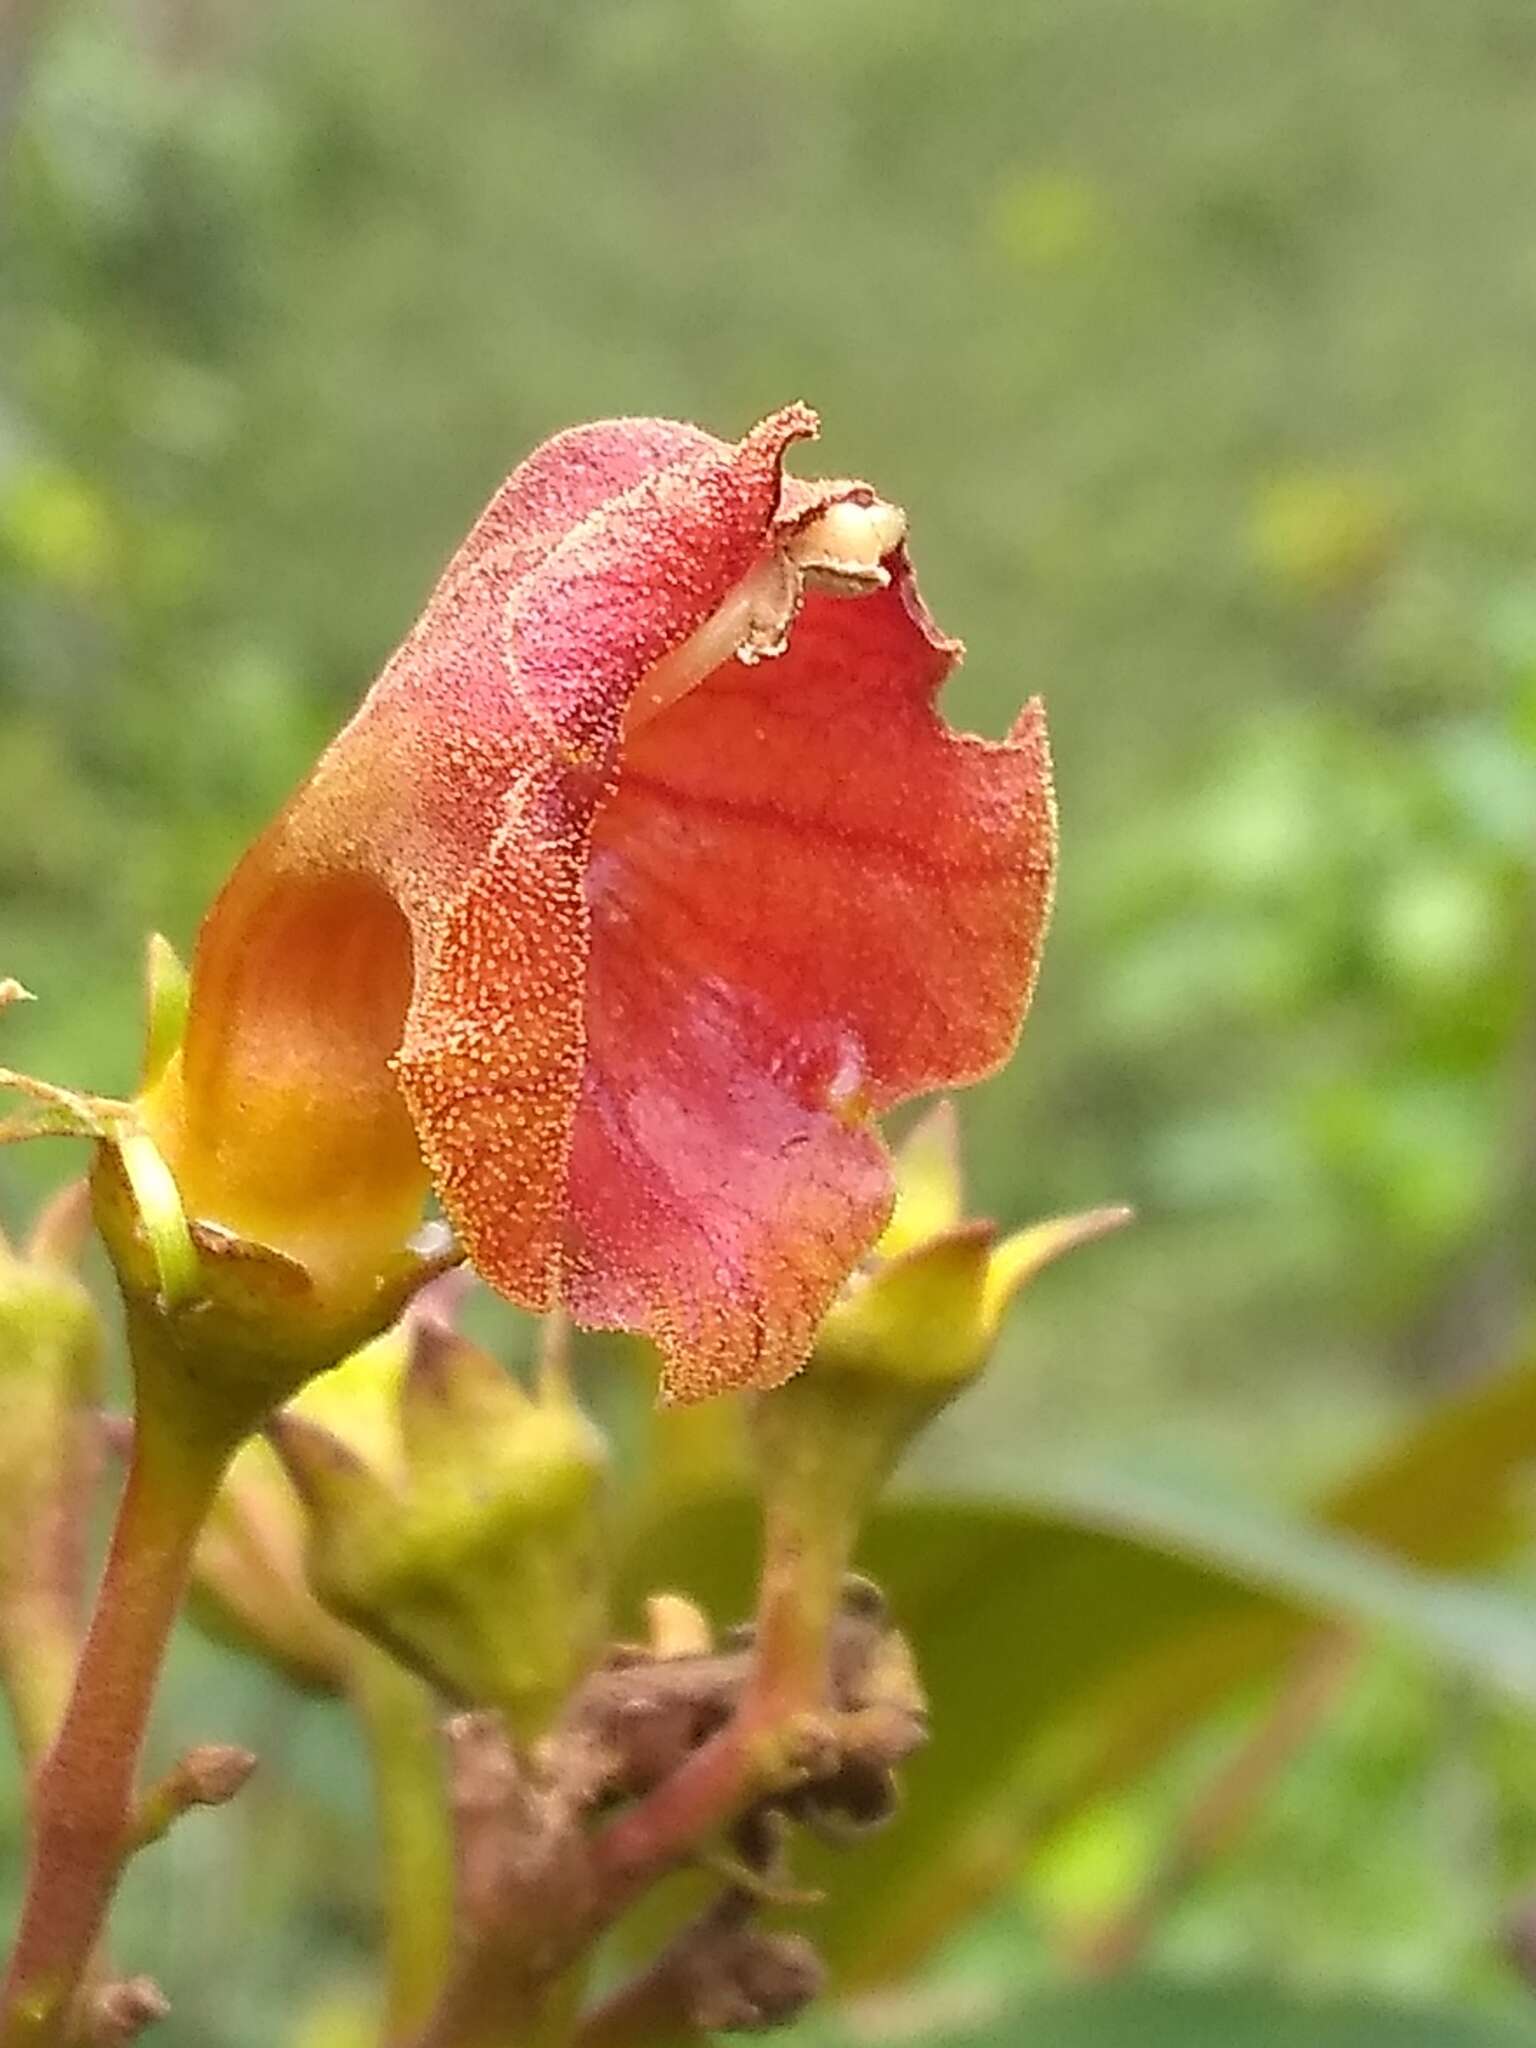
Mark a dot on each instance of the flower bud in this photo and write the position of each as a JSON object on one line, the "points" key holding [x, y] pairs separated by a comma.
{"points": [[209, 1775], [222, 1325], [454, 1518], [121, 2009], [249, 1585], [911, 1329], [923, 1315], [49, 1341]]}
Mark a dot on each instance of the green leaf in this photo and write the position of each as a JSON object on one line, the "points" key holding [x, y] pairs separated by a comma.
{"points": [[1324, 1568], [1441, 1494], [1068, 1640], [1058, 1640], [1149, 2014]]}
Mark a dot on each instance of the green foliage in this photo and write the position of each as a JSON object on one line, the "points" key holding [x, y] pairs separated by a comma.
{"points": [[1070, 1639], [1160, 2015], [1351, 895]]}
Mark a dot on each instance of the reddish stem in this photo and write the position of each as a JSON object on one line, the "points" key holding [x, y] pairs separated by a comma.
{"points": [[702, 1795], [83, 1796], [820, 1481], [808, 1541], [647, 2012]]}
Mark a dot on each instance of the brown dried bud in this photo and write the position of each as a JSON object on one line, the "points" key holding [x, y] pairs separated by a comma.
{"points": [[741, 1979], [119, 2012], [208, 1775]]}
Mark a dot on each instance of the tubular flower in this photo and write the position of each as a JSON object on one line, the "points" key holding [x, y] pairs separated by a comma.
{"points": [[644, 877]]}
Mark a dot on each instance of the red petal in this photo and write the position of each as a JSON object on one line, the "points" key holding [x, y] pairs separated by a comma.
{"points": [[492, 1055], [464, 788], [810, 899], [714, 1202]]}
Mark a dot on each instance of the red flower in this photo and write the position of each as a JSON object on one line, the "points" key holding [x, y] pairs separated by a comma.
{"points": [[644, 877]]}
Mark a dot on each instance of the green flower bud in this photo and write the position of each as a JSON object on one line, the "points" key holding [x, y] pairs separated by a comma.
{"points": [[917, 1324], [911, 1330], [49, 1383], [454, 1518], [249, 1585]]}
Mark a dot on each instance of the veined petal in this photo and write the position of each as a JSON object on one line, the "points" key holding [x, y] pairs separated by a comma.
{"points": [[809, 829], [809, 900], [718, 1194]]}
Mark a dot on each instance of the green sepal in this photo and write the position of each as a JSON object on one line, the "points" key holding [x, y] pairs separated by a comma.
{"points": [[167, 991]]}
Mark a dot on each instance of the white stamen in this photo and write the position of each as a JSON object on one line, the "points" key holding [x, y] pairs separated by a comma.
{"points": [[842, 549], [839, 552]]}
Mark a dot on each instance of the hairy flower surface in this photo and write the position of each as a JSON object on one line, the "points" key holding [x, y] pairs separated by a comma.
{"points": [[645, 875]]}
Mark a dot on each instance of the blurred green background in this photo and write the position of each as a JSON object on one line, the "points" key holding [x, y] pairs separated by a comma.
{"points": [[1196, 335]]}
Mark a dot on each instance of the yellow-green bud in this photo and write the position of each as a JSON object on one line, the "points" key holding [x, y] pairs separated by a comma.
{"points": [[454, 1518], [913, 1328], [249, 1584]]}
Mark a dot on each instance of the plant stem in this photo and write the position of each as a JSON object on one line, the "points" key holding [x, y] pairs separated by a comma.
{"points": [[493, 2004], [807, 1548], [823, 1461], [644, 2013], [396, 1711], [662, 1829], [819, 1479], [84, 1791], [811, 1519]]}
